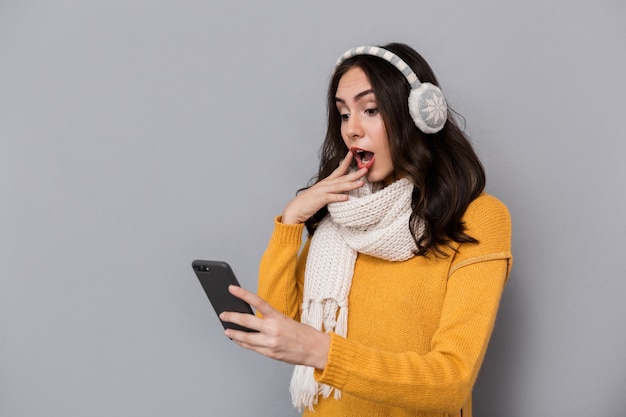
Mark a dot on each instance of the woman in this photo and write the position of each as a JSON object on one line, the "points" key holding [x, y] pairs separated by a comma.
{"points": [[388, 307]]}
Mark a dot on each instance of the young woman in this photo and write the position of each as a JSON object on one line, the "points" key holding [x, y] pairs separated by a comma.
{"points": [[388, 307]]}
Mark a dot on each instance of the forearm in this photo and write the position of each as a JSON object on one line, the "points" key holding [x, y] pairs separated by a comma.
{"points": [[277, 270]]}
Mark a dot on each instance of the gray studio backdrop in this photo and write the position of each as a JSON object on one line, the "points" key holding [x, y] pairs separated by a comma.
{"points": [[136, 136]]}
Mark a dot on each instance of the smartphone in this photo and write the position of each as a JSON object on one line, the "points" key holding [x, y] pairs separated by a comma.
{"points": [[215, 277]]}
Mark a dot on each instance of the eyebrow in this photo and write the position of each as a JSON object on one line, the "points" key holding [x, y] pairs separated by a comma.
{"points": [[357, 97]]}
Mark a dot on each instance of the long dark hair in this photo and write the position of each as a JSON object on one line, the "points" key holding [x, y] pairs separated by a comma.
{"points": [[443, 167]]}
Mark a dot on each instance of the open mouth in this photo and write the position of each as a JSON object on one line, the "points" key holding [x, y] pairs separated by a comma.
{"points": [[364, 159]]}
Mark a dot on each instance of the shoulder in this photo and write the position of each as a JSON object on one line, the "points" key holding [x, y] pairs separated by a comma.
{"points": [[487, 219], [486, 207]]}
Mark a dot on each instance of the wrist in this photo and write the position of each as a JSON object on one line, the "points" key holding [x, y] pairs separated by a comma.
{"points": [[288, 218], [321, 352]]}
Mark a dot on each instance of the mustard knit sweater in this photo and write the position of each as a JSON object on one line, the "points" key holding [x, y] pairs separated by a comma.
{"points": [[417, 330]]}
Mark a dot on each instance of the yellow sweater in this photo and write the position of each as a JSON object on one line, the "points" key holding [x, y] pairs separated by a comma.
{"points": [[417, 330]]}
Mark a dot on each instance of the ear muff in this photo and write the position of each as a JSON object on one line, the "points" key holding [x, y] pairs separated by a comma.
{"points": [[427, 105]]}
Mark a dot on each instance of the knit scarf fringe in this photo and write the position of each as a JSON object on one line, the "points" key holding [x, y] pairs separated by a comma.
{"points": [[373, 223]]}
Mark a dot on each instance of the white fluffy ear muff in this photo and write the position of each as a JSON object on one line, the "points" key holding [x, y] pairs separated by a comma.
{"points": [[427, 105]]}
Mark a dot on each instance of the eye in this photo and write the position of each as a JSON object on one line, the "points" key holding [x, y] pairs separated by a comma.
{"points": [[372, 111], [344, 117]]}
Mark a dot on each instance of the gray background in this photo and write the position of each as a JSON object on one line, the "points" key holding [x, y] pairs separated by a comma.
{"points": [[136, 136]]}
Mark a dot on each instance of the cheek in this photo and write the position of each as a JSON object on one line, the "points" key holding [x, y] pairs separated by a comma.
{"points": [[387, 154], [344, 137], [383, 141]]}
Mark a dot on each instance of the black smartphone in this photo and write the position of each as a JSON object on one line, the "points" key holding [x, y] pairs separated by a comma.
{"points": [[215, 277]]}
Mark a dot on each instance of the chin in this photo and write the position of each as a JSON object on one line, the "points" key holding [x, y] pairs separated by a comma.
{"points": [[376, 178]]}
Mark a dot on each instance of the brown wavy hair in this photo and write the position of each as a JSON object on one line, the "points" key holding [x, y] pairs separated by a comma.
{"points": [[443, 167]]}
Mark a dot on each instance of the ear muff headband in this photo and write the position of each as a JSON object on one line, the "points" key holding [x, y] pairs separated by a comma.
{"points": [[427, 105]]}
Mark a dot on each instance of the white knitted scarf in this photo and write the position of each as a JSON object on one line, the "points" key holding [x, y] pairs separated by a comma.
{"points": [[373, 223]]}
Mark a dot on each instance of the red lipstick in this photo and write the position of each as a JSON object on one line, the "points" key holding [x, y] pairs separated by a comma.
{"points": [[363, 158]]}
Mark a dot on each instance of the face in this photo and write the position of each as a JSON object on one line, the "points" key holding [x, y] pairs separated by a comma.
{"points": [[362, 126]]}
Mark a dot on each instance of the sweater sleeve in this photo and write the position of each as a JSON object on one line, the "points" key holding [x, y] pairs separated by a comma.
{"points": [[280, 276], [441, 379]]}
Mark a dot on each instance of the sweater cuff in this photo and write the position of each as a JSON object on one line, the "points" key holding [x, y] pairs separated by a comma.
{"points": [[287, 234], [340, 353]]}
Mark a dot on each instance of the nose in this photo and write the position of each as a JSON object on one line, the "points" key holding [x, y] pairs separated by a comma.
{"points": [[354, 129]]}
